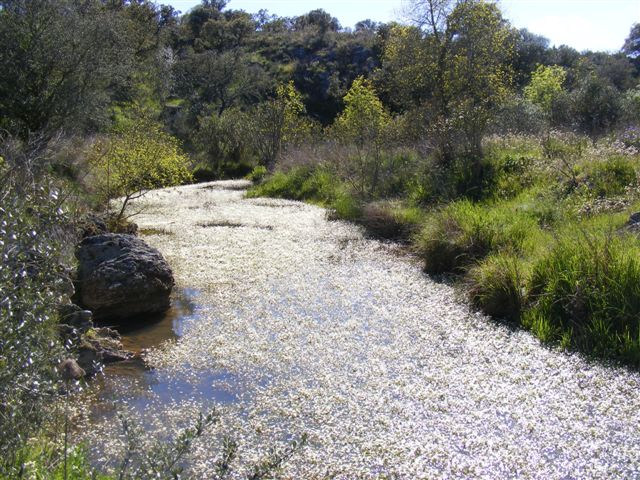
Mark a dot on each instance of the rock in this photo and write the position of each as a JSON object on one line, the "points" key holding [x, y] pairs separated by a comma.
{"points": [[88, 358], [120, 276], [634, 222], [76, 317], [107, 333], [70, 370], [101, 346], [92, 225]]}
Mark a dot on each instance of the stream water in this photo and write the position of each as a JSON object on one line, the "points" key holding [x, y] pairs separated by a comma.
{"points": [[286, 323]]}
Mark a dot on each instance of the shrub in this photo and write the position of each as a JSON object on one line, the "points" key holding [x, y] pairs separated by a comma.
{"points": [[32, 235], [136, 160], [258, 174], [586, 293]]}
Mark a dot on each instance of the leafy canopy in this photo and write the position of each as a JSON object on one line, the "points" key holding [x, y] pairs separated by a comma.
{"points": [[364, 118], [546, 83], [139, 158]]}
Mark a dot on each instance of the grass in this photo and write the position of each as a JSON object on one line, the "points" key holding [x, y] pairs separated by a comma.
{"points": [[585, 295], [498, 286], [539, 244], [41, 459], [463, 232], [317, 186]]}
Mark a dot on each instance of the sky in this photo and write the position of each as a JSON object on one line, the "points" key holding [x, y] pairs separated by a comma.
{"points": [[599, 25]]}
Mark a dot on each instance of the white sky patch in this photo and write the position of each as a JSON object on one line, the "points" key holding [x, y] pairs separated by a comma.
{"points": [[598, 25], [572, 30]]}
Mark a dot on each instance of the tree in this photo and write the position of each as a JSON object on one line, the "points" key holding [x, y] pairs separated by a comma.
{"points": [[217, 81], [63, 62], [467, 50], [224, 141], [364, 122], [279, 122], [597, 104], [137, 159], [531, 50], [364, 118], [546, 84]]}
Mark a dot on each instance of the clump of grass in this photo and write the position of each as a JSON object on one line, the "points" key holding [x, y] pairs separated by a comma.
{"points": [[284, 185], [497, 286], [585, 294], [607, 178], [345, 206], [463, 232], [316, 185], [154, 231], [41, 459], [514, 165], [391, 219]]}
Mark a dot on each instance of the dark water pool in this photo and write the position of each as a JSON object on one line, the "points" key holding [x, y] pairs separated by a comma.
{"points": [[133, 385]]}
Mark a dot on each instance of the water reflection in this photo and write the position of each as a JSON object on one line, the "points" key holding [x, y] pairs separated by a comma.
{"points": [[138, 386]]}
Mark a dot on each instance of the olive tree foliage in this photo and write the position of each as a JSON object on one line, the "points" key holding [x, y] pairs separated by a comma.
{"points": [[545, 86], [215, 81], [32, 239], [223, 141], [60, 62], [596, 104], [466, 50], [135, 160], [365, 124], [631, 106], [279, 123]]}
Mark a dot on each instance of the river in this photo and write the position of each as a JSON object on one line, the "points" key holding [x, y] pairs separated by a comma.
{"points": [[289, 323]]}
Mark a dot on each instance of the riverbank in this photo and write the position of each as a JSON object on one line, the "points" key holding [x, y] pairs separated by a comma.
{"points": [[546, 240], [320, 330]]}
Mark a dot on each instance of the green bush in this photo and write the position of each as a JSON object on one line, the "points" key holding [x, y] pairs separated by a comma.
{"points": [[257, 174], [32, 236], [585, 293], [204, 173]]}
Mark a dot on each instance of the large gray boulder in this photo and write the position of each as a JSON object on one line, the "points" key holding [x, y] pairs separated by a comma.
{"points": [[120, 276]]}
